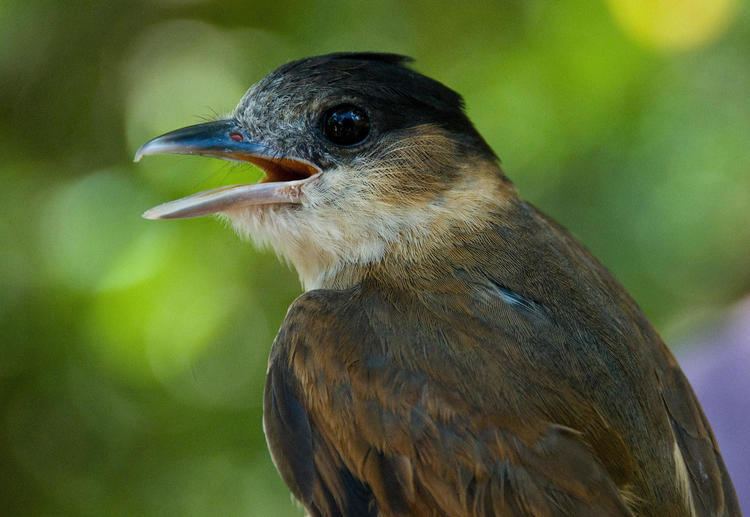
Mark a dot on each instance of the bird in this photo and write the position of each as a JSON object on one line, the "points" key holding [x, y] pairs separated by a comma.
{"points": [[455, 351]]}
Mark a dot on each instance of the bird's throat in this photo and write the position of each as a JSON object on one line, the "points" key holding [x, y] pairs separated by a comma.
{"points": [[423, 247]]}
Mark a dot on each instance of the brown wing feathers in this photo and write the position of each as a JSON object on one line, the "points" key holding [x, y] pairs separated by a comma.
{"points": [[421, 456], [306, 461]]}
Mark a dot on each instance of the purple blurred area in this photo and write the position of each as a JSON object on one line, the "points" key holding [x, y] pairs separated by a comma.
{"points": [[718, 370]]}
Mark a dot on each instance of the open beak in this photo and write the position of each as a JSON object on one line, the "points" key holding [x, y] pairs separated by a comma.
{"points": [[225, 139]]}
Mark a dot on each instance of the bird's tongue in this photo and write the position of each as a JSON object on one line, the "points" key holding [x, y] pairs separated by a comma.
{"points": [[227, 198]]}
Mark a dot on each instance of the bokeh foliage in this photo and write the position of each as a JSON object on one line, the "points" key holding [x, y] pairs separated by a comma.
{"points": [[133, 353]]}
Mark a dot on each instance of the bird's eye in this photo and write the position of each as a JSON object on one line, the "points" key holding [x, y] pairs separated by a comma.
{"points": [[346, 125]]}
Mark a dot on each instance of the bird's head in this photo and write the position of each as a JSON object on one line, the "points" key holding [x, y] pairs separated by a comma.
{"points": [[365, 161]]}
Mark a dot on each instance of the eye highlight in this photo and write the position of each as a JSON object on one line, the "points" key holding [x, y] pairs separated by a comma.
{"points": [[346, 125]]}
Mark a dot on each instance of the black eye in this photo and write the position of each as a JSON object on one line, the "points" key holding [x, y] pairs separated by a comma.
{"points": [[346, 124]]}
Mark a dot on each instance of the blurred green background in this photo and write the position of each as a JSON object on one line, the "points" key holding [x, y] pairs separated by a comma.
{"points": [[133, 353]]}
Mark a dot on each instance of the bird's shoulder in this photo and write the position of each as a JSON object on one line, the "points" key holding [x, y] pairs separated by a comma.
{"points": [[354, 422]]}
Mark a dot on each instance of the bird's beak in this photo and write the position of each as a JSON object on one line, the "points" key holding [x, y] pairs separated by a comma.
{"points": [[225, 139]]}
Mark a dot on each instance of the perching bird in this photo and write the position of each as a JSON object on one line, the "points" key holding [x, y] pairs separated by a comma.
{"points": [[455, 352]]}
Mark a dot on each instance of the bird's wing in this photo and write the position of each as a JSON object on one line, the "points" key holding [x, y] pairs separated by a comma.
{"points": [[379, 439], [702, 478], [307, 461], [699, 465]]}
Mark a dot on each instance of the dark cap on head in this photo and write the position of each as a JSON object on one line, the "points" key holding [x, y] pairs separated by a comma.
{"points": [[395, 96]]}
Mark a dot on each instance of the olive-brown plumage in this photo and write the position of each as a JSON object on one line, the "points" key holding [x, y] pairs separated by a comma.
{"points": [[456, 352], [446, 399]]}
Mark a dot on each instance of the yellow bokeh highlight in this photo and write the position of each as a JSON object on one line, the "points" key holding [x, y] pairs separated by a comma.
{"points": [[674, 25]]}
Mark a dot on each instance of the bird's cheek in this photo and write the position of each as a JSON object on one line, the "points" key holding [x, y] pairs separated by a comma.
{"points": [[330, 189]]}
